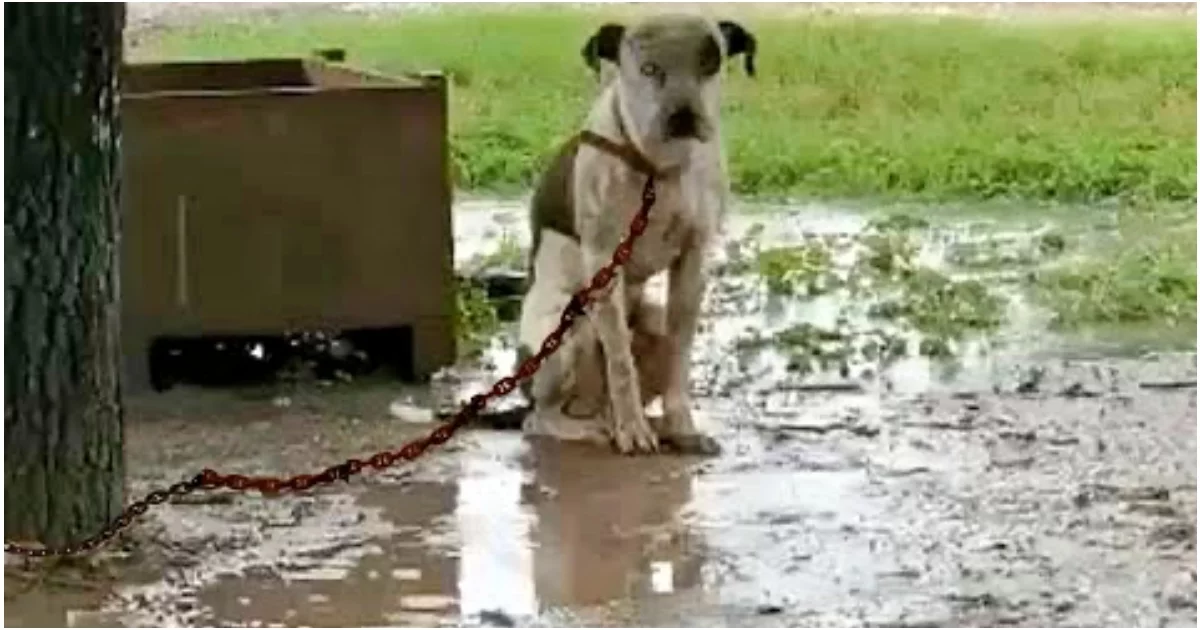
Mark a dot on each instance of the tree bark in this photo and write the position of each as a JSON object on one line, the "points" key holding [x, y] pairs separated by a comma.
{"points": [[63, 421]]}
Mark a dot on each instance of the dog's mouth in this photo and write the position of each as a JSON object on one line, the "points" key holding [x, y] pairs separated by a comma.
{"points": [[697, 136]]}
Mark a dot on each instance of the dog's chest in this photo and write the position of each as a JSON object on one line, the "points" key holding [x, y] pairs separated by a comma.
{"points": [[664, 239], [673, 222]]}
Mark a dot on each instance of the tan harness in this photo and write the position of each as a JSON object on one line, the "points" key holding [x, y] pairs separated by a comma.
{"points": [[627, 153]]}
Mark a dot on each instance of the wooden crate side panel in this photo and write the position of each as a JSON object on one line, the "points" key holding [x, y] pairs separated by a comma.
{"points": [[256, 213]]}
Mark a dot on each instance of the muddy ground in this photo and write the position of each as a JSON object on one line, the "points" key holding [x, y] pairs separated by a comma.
{"points": [[1022, 477]]}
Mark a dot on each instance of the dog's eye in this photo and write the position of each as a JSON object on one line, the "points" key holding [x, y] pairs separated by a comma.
{"points": [[651, 70]]}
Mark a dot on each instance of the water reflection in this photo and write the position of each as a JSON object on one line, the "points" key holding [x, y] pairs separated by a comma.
{"points": [[515, 527], [495, 562], [609, 527], [339, 580]]}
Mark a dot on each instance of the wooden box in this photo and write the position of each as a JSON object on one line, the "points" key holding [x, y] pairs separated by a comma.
{"points": [[267, 196]]}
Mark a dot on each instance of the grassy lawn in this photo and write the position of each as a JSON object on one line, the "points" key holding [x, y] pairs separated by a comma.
{"points": [[873, 107], [845, 106]]}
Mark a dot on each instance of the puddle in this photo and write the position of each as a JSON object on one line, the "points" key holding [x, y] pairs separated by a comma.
{"points": [[1030, 480]]}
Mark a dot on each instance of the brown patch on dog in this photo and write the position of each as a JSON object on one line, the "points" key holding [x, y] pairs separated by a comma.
{"points": [[553, 204]]}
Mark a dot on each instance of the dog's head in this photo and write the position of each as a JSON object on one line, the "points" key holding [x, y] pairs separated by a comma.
{"points": [[668, 71]]}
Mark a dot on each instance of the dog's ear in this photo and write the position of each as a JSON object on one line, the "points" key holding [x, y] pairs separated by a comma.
{"points": [[605, 44], [739, 41]]}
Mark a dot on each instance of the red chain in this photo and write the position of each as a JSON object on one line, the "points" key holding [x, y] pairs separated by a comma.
{"points": [[209, 479]]}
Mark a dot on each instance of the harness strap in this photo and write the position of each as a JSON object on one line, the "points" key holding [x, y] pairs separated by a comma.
{"points": [[627, 153]]}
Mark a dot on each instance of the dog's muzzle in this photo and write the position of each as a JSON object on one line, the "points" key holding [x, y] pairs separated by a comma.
{"points": [[683, 123]]}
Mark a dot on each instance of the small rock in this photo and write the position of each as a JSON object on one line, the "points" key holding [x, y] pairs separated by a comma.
{"points": [[1078, 390], [429, 602], [1152, 509], [496, 619], [405, 412], [1181, 602], [1064, 606], [90, 619], [413, 619], [769, 609], [340, 349], [1020, 436], [1031, 381], [410, 574], [1019, 462], [1174, 533]]}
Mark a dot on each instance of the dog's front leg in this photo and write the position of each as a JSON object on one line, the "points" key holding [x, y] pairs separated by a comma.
{"points": [[631, 431], [685, 296]]}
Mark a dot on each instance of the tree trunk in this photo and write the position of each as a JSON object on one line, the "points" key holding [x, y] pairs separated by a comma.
{"points": [[63, 452]]}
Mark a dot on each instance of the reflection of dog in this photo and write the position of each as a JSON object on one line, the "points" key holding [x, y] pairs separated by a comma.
{"points": [[607, 524], [657, 115]]}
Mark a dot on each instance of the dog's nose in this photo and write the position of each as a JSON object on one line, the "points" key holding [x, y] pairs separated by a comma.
{"points": [[682, 123]]}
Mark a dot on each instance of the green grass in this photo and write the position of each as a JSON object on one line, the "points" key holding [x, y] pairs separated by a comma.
{"points": [[477, 319], [845, 106], [1145, 276]]}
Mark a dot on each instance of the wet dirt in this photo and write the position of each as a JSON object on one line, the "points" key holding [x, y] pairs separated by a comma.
{"points": [[1031, 478]]}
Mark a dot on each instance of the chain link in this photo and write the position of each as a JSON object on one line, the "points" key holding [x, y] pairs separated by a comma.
{"points": [[209, 479]]}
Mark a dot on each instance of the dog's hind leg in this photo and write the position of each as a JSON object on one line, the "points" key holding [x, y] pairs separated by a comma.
{"points": [[586, 395], [567, 391], [549, 382]]}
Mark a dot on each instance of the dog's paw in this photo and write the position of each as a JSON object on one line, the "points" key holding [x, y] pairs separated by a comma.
{"points": [[676, 418], [632, 438], [697, 444]]}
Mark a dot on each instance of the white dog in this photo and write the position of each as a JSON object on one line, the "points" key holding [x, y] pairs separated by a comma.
{"points": [[657, 115]]}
